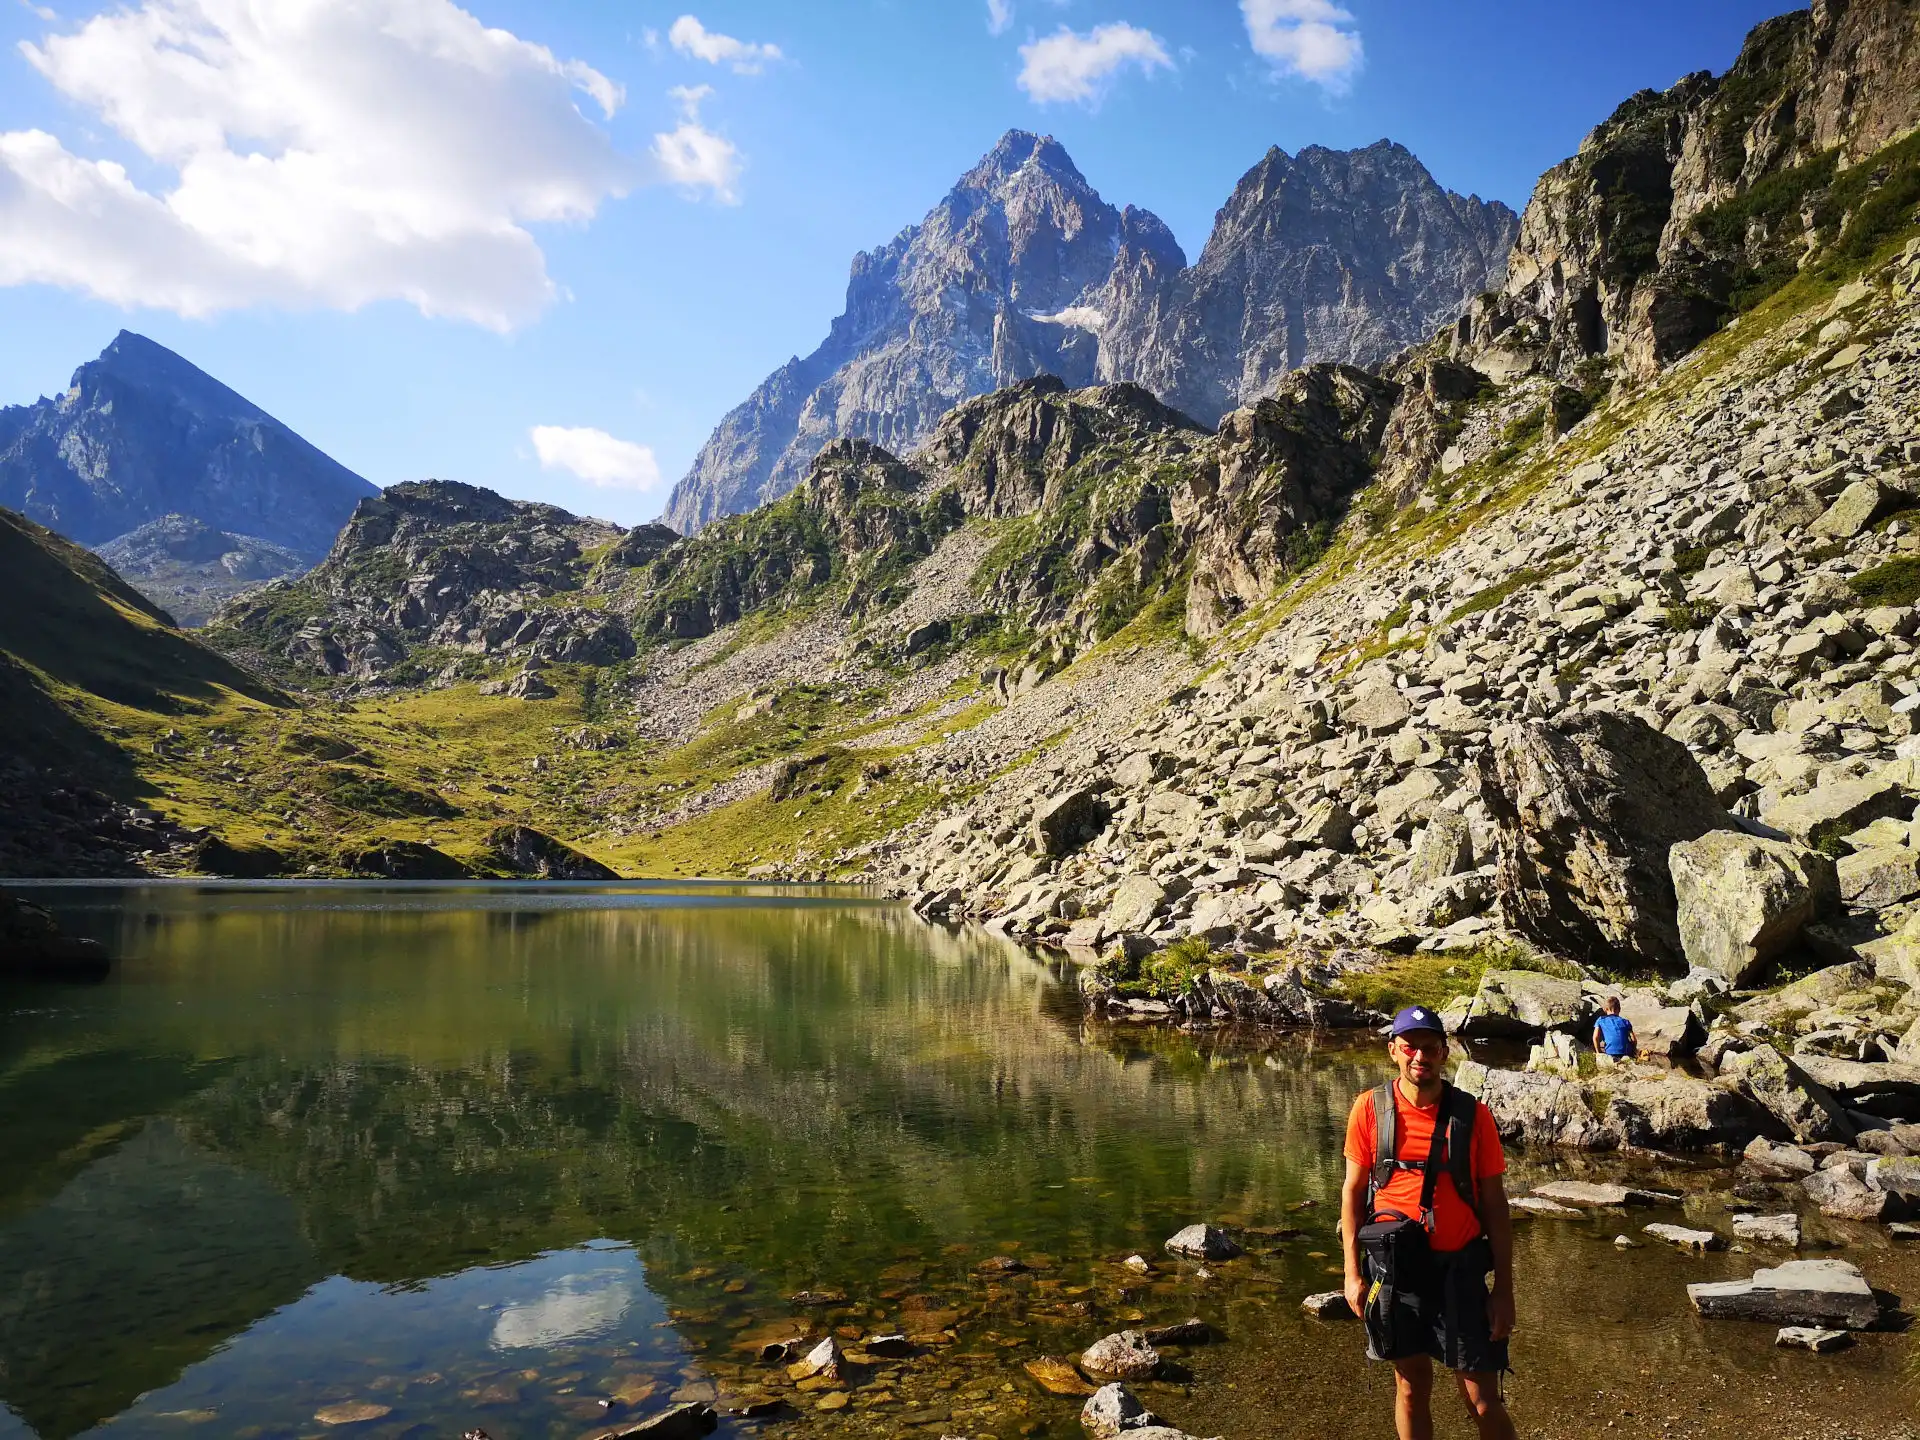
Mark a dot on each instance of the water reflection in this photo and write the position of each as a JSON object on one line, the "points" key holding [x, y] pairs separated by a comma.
{"points": [[540, 1160]]}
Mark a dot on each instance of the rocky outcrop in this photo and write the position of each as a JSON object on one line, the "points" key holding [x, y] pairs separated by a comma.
{"points": [[1686, 206], [1023, 270], [140, 434], [522, 850], [1588, 808], [34, 947], [190, 569]]}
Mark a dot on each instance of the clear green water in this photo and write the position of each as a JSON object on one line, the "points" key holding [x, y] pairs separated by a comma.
{"points": [[538, 1160]]}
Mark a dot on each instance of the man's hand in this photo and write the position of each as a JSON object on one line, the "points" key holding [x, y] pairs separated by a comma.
{"points": [[1500, 1313], [1356, 1288]]}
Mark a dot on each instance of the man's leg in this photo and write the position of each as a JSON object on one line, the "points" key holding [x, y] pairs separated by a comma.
{"points": [[1481, 1390], [1413, 1397]]}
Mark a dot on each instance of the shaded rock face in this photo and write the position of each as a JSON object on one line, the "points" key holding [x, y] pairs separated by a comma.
{"points": [[1325, 256], [141, 434], [1588, 808], [1023, 270], [1629, 249], [525, 851]]}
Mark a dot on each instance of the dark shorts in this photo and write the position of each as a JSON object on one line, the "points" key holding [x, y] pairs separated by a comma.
{"points": [[1446, 1319]]}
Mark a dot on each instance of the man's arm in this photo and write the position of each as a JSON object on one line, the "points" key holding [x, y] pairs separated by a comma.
{"points": [[1497, 1220], [1353, 1193], [1599, 1040]]}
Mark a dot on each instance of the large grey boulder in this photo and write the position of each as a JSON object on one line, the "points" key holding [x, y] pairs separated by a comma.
{"points": [[1743, 899], [1444, 849], [1670, 1110], [1800, 1292], [1536, 1110], [1661, 1030], [1799, 1102], [1523, 1004], [1136, 901], [1844, 1194], [1588, 807], [1203, 1242], [1773, 1161], [1828, 812], [1891, 1091]]}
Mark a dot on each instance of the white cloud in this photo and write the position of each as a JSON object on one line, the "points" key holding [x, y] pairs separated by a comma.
{"points": [[690, 37], [596, 457], [692, 156], [327, 153], [1070, 66], [999, 16], [1313, 39]]}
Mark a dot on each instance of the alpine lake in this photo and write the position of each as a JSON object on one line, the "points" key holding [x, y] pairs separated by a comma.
{"points": [[366, 1161]]}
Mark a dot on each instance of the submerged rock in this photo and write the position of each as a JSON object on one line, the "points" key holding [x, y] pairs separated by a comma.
{"points": [[1203, 1242], [1768, 1229]]}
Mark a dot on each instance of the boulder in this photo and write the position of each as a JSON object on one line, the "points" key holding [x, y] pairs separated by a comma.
{"points": [[685, 1421], [1125, 1356], [1800, 1292], [1535, 1109], [1057, 1376], [1879, 876], [1660, 1029], [1523, 1004], [1411, 799], [1137, 901], [1112, 1409], [1588, 807], [1768, 1229], [1377, 709], [1141, 769], [1670, 1110], [1888, 1090], [1203, 1242], [825, 1360], [1444, 849], [1828, 812], [1810, 1114], [1065, 823], [1896, 1175], [1742, 899], [1842, 1193], [1774, 1161]]}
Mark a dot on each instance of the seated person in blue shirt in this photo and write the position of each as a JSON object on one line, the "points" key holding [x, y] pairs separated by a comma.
{"points": [[1613, 1032]]}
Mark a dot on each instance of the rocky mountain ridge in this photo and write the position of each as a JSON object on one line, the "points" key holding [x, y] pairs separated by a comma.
{"points": [[1024, 270]]}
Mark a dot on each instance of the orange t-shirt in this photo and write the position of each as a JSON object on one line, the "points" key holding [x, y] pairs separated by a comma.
{"points": [[1454, 1224]]}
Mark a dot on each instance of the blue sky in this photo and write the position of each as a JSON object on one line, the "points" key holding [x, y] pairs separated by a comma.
{"points": [[421, 242]]}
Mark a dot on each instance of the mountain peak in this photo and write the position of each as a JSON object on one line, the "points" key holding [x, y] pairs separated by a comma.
{"points": [[1016, 150]]}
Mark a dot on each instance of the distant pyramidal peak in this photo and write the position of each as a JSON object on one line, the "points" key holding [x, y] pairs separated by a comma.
{"points": [[1024, 270], [141, 434]]}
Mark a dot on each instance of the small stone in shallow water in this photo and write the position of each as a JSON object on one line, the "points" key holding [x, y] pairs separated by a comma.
{"points": [[1768, 1229], [351, 1412], [832, 1400], [1328, 1305], [823, 1361], [1699, 1240], [1125, 1356], [1137, 1263], [1810, 1337], [1185, 1332], [1537, 1205], [1203, 1242], [892, 1347], [1903, 1230], [1001, 1265], [1112, 1410], [1625, 1242]]}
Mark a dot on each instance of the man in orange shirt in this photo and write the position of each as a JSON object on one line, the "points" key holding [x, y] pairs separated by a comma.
{"points": [[1445, 1311]]}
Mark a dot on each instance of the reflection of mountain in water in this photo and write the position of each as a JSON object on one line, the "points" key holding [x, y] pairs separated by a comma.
{"points": [[800, 1095], [146, 1261]]}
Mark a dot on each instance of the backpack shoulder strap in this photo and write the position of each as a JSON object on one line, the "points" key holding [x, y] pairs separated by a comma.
{"points": [[1386, 1135], [1459, 1112]]}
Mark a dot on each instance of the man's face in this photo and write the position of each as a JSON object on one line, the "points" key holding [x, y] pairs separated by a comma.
{"points": [[1421, 1056]]}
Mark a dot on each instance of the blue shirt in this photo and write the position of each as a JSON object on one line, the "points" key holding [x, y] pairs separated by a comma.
{"points": [[1614, 1032]]}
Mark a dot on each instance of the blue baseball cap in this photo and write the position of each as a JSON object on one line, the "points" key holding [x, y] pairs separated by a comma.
{"points": [[1417, 1017]]}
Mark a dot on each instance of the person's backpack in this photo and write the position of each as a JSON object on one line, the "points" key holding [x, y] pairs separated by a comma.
{"points": [[1454, 1126], [1398, 1247]]}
